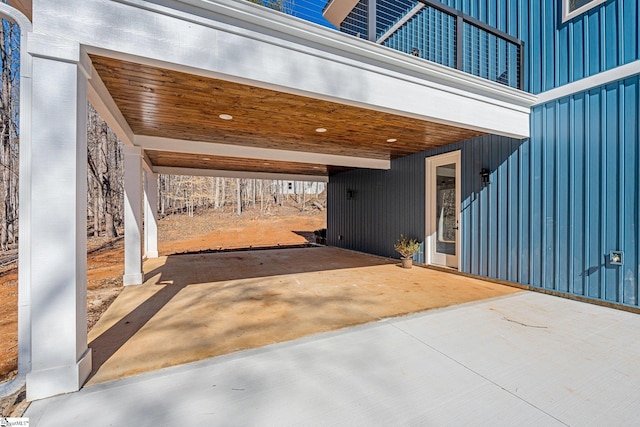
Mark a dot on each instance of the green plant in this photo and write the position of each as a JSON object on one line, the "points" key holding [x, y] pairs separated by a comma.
{"points": [[406, 247]]}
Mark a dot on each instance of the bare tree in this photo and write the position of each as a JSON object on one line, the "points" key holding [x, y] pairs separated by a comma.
{"points": [[9, 107]]}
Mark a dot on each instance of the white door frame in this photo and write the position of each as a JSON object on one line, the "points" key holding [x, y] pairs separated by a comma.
{"points": [[430, 238]]}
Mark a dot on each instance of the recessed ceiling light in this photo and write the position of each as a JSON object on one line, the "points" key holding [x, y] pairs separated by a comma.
{"points": [[321, 130], [226, 116], [206, 158], [391, 140], [266, 163]]}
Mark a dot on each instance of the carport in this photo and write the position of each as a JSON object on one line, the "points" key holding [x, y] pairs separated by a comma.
{"points": [[196, 87]]}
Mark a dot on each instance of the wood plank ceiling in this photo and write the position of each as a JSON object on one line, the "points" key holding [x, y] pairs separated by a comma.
{"points": [[166, 103]]}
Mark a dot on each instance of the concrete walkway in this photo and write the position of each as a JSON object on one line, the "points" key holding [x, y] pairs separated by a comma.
{"points": [[522, 359]]}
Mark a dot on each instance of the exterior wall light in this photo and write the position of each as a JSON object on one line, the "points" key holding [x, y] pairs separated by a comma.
{"points": [[350, 194], [616, 257], [484, 176]]}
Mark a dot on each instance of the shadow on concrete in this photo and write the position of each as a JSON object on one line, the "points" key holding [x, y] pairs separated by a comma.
{"points": [[105, 345]]}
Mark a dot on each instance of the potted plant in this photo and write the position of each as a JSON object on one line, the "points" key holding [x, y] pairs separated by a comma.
{"points": [[407, 248]]}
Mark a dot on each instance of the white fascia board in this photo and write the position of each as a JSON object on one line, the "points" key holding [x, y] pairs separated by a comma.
{"points": [[17, 13], [337, 10], [615, 74], [104, 104], [245, 43], [237, 174], [228, 150]]}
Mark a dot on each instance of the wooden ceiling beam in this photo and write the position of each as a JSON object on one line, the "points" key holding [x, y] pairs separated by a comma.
{"points": [[228, 150]]}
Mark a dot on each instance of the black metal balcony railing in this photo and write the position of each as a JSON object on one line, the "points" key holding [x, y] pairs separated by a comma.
{"points": [[428, 29]]}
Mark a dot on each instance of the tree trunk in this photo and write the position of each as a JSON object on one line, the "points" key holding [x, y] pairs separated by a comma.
{"points": [[103, 171], [217, 196], [238, 197], [96, 209]]}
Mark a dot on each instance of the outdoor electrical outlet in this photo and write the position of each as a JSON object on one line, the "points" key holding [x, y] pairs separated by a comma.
{"points": [[616, 257]]}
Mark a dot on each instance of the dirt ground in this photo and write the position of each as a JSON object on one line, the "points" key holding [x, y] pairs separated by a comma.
{"points": [[206, 230]]}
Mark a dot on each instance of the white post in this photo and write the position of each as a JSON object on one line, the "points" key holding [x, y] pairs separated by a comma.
{"points": [[151, 215], [57, 239], [132, 216]]}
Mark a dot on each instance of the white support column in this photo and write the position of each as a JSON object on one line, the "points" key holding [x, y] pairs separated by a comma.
{"points": [[151, 215], [57, 239], [132, 216]]}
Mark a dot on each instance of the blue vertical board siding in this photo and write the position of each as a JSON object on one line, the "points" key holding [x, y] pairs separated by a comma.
{"points": [[631, 160], [556, 204], [563, 190], [594, 173], [577, 196], [535, 191]]}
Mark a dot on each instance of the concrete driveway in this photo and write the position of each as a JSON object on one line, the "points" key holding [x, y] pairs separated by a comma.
{"points": [[521, 359]]}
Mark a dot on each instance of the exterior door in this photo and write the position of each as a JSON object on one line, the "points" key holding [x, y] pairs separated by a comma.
{"points": [[443, 209]]}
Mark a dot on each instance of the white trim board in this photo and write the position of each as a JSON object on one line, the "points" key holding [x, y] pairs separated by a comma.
{"points": [[238, 174], [591, 82], [430, 229], [568, 15]]}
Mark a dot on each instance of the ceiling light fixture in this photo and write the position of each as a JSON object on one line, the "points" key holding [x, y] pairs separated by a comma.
{"points": [[226, 116], [321, 130], [391, 140], [206, 158]]}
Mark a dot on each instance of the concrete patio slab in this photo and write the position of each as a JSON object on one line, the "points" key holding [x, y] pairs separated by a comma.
{"points": [[523, 359], [193, 307]]}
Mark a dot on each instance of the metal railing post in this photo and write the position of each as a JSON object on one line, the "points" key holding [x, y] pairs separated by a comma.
{"points": [[372, 20], [521, 65], [459, 41]]}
